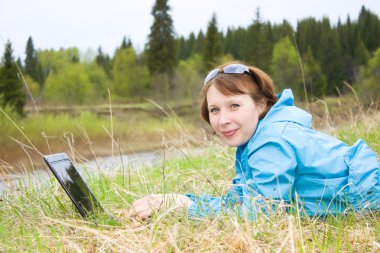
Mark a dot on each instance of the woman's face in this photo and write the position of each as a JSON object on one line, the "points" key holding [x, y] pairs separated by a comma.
{"points": [[234, 118]]}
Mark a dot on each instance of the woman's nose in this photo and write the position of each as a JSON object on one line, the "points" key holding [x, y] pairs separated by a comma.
{"points": [[224, 118]]}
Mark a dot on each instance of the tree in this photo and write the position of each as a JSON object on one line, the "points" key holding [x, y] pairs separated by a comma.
{"points": [[162, 46], [346, 38], [361, 53], [130, 79], [282, 30], [258, 47], [369, 79], [104, 61], [285, 68], [199, 43], [330, 57], [126, 44], [189, 76], [315, 80], [368, 29], [213, 49], [186, 46], [189, 48], [70, 85], [34, 89], [161, 51], [31, 63], [51, 61], [19, 64], [345, 32], [308, 35], [11, 87], [332, 53], [99, 81]]}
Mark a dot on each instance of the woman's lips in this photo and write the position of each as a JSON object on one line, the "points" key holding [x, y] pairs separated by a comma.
{"points": [[229, 132]]}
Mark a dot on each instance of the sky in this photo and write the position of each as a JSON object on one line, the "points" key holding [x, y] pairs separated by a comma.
{"points": [[88, 24]]}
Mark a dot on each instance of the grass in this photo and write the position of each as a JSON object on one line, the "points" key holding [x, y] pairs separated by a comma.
{"points": [[131, 131], [368, 129], [41, 217]]}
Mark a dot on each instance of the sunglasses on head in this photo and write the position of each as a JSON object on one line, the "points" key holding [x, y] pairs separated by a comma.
{"points": [[235, 68]]}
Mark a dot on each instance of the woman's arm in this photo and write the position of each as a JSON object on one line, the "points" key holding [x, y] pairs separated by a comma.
{"points": [[143, 208], [268, 171], [272, 167]]}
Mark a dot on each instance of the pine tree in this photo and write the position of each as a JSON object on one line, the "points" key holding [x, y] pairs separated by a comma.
{"points": [[126, 44], [161, 47], [235, 40], [11, 88], [213, 49], [308, 35], [199, 43], [31, 62], [330, 57], [161, 52], [361, 53], [19, 64], [369, 29], [191, 42], [186, 46], [282, 30], [182, 49], [104, 61], [315, 80], [257, 49], [346, 38]]}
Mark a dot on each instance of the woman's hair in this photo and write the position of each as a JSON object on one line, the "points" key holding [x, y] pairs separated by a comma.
{"points": [[257, 84]]}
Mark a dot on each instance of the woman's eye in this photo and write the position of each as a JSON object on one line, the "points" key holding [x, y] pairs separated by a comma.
{"points": [[213, 110], [235, 105]]}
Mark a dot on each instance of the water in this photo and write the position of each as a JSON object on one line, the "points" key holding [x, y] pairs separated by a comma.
{"points": [[108, 165]]}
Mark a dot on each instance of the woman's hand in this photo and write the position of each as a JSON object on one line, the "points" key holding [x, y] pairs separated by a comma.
{"points": [[143, 208]]}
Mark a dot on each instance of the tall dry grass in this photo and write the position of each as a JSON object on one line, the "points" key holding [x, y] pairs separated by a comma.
{"points": [[41, 217]]}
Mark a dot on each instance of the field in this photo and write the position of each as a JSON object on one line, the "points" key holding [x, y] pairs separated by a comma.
{"points": [[42, 219], [91, 131]]}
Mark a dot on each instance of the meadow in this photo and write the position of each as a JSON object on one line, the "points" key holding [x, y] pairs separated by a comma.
{"points": [[41, 218], [91, 131]]}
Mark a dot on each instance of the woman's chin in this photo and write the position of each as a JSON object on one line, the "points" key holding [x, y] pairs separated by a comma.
{"points": [[231, 143]]}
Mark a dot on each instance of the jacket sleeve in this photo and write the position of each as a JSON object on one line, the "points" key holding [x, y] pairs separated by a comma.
{"points": [[206, 205], [272, 167], [271, 171]]}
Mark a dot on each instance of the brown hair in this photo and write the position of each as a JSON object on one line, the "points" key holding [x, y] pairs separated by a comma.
{"points": [[258, 85]]}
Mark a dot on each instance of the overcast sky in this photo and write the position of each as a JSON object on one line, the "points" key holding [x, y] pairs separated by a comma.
{"points": [[92, 23]]}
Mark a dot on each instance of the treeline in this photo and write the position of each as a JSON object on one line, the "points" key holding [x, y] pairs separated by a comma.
{"points": [[315, 59]]}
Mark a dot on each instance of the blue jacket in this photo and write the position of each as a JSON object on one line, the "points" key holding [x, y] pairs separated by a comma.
{"points": [[285, 160]]}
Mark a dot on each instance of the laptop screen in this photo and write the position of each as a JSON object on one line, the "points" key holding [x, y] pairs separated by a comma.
{"points": [[74, 185]]}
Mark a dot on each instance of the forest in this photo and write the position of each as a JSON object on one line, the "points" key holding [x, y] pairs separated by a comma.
{"points": [[315, 59]]}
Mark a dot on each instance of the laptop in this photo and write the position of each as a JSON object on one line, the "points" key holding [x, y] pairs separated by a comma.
{"points": [[74, 185]]}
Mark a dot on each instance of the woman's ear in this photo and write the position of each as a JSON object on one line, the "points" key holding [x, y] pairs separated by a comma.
{"points": [[262, 108]]}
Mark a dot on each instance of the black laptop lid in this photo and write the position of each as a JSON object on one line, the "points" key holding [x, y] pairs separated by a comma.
{"points": [[74, 185]]}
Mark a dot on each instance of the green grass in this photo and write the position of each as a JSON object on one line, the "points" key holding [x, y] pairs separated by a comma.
{"points": [[42, 218], [56, 132], [368, 129], [55, 125]]}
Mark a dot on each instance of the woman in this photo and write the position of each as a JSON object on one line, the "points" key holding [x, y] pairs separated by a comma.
{"points": [[279, 157]]}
